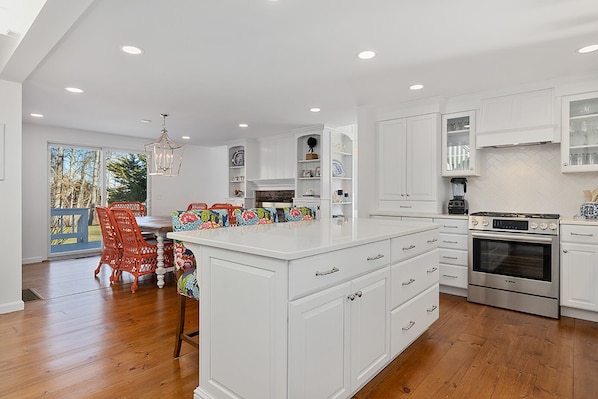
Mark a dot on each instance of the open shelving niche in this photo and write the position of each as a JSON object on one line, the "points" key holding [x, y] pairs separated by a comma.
{"points": [[318, 181]]}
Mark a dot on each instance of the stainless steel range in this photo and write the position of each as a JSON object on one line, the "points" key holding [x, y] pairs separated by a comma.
{"points": [[514, 261]]}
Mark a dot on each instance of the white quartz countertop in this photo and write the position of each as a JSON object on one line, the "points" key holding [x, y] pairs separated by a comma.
{"points": [[586, 222], [293, 240]]}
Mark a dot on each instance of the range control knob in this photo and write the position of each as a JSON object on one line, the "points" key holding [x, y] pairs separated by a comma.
{"points": [[543, 226], [485, 222], [553, 226], [474, 222], [534, 226]]}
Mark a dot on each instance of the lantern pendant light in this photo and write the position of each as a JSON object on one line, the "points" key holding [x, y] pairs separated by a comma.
{"points": [[164, 157]]}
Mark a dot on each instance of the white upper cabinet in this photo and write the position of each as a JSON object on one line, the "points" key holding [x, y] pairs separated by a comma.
{"points": [[524, 118], [579, 145], [458, 145], [408, 174]]}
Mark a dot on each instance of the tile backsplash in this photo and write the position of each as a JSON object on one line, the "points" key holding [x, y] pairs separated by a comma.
{"points": [[526, 179]]}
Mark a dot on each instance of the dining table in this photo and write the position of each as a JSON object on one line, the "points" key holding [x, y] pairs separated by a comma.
{"points": [[158, 225]]}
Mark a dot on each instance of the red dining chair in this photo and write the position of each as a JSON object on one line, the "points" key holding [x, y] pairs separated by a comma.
{"points": [[197, 206], [140, 257], [231, 211], [112, 249], [136, 207]]}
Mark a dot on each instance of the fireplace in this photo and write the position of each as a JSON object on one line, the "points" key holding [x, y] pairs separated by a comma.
{"points": [[275, 198]]}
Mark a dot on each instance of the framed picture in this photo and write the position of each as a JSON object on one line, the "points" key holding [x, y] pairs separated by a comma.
{"points": [[307, 173], [318, 171]]}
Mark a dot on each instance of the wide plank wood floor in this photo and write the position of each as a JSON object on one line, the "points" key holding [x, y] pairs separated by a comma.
{"points": [[87, 339]]}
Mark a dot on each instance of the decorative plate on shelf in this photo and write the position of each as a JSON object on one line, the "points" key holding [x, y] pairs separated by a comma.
{"points": [[238, 158], [337, 168]]}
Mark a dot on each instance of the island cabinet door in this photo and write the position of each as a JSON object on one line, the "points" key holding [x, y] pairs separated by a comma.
{"points": [[370, 326], [318, 345]]}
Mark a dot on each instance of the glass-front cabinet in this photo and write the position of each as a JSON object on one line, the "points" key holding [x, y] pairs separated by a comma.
{"points": [[458, 144], [579, 134]]}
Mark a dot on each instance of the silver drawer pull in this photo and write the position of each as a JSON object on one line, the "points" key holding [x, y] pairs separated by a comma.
{"points": [[432, 270], [432, 240], [411, 324], [409, 247], [411, 281], [379, 256], [450, 257], [582, 234], [449, 276], [450, 242], [450, 227], [433, 308], [405, 206], [333, 270]]}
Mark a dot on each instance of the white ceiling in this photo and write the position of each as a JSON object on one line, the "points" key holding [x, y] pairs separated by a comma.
{"points": [[212, 64]]}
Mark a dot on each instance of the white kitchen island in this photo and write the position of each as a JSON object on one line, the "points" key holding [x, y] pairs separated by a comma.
{"points": [[311, 309]]}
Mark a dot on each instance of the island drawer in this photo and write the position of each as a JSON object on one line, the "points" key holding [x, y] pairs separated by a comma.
{"points": [[412, 245], [317, 272], [410, 320], [412, 276]]}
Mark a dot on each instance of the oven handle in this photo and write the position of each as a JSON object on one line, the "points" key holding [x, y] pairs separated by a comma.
{"points": [[515, 237]]}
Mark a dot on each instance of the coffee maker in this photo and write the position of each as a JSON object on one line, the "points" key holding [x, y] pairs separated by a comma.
{"points": [[458, 205]]}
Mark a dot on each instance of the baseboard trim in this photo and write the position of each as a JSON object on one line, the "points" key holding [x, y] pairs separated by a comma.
{"points": [[12, 307]]}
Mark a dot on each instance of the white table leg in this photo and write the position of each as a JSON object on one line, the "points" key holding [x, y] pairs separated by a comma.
{"points": [[160, 270]]}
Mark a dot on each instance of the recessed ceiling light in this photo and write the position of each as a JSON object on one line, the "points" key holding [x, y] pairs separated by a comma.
{"points": [[73, 89], [243, 125], [131, 50], [37, 115], [588, 49], [315, 109], [416, 87], [366, 54], [146, 121], [185, 137]]}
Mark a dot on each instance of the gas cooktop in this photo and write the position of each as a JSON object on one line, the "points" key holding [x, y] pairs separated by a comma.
{"points": [[517, 215]]}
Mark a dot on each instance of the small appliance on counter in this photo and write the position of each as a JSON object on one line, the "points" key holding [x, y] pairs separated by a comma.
{"points": [[458, 205]]}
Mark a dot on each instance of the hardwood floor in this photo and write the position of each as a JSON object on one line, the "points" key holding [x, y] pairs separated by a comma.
{"points": [[89, 340]]}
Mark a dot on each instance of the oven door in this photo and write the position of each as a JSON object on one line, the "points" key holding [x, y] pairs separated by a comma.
{"points": [[525, 263]]}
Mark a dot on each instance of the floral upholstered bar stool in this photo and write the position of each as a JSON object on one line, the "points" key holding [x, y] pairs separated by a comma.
{"points": [[297, 213], [186, 264], [249, 216]]}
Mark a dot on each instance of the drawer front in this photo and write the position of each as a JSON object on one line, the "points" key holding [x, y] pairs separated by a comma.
{"points": [[454, 226], [412, 245], [454, 276], [410, 320], [416, 219], [579, 234], [453, 241], [453, 257], [316, 272], [413, 276]]}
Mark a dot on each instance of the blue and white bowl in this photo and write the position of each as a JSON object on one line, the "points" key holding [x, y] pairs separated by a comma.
{"points": [[589, 210]]}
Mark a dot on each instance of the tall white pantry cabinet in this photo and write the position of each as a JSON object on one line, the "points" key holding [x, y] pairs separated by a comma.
{"points": [[408, 164]]}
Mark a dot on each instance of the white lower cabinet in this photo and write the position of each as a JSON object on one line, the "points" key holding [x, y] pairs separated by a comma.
{"points": [[411, 319], [453, 252], [579, 267], [340, 337]]}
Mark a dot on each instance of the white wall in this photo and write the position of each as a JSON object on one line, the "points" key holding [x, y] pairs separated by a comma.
{"points": [[10, 199], [202, 178]]}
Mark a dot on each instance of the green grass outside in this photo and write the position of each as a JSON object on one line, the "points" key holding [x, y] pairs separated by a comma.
{"points": [[93, 234]]}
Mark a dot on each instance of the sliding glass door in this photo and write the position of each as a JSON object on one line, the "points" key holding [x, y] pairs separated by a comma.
{"points": [[79, 181]]}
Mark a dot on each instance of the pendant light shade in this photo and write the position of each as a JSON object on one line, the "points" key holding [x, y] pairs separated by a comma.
{"points": [[164, 157]]}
